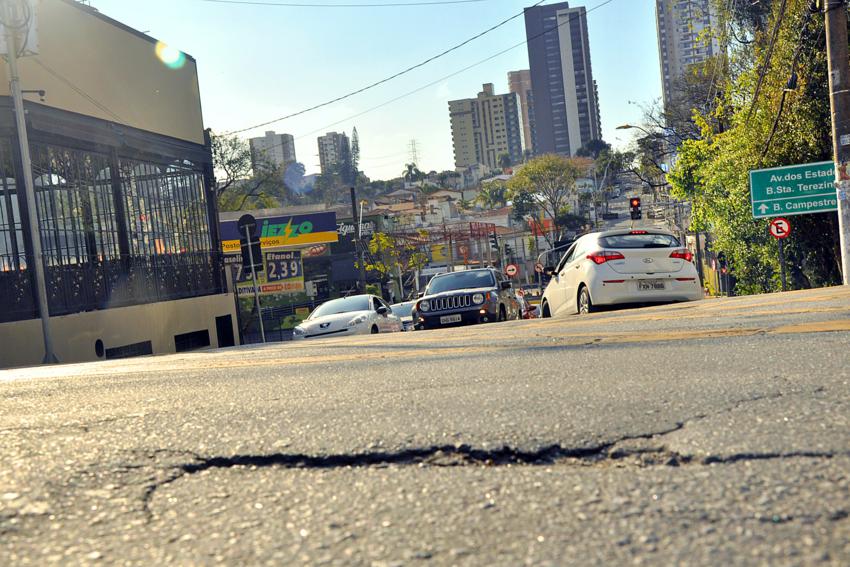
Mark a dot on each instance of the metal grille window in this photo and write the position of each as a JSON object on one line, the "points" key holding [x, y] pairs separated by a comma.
{"points": [[16, 299], [74, 199], [166, 209]]}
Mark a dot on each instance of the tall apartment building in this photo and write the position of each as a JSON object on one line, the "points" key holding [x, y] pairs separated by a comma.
{"points": [[485, 127], [519, 82], [333, 147], [681, 40], [272, 149], [566, 108]]}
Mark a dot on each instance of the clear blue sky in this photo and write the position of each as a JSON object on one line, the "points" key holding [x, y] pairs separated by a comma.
{"points": [[256, 63]]}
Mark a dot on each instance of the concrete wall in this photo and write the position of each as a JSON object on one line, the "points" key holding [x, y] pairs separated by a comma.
{"points": [[74, 336], [116, 67]]}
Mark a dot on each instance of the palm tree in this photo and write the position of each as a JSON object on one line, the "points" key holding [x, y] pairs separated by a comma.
{"points": [[492, 195], [412, 173]]}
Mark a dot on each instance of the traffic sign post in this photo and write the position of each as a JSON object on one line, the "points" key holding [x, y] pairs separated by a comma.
{"points": [[538, 267], [780, 229], [793, 190], [511, 270], [248, 225]]}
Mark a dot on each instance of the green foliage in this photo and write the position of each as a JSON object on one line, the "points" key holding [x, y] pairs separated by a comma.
{"points": [[389, 254], [549, 181], [492, 195], [712, 170]]}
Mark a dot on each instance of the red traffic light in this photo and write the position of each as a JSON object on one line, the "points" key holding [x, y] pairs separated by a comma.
{"points": [[636, 202]]}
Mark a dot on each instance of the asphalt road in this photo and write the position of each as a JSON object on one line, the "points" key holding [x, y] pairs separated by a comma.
{"points": [[709, 433]]}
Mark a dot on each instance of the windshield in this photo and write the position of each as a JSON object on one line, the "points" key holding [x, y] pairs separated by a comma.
{"points": [[344, 305], [402, 309], [639, 241], [460, 280]]}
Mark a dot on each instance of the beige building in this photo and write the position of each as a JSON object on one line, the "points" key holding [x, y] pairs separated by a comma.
{"points": [[332, 149], [123, 194], [519, 82], [277, 150], [682, 26], [486, 127]]}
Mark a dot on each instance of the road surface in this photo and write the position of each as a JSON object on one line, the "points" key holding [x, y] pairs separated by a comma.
{"points": [[716, 432]]}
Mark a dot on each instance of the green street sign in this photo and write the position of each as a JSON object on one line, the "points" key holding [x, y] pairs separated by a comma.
{"points": [[793, 190]]}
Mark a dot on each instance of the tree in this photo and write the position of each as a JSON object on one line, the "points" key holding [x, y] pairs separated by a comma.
{"points": [[355, 156], [243, 182], [412, 174], [549, 181], [390, 256], [762, 119], [505, 161], [593, 148], [492, 195]]}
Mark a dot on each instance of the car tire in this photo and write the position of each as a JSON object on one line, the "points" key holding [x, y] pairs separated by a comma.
{"points": [[374, 330], [584, 304], [546, 313]]}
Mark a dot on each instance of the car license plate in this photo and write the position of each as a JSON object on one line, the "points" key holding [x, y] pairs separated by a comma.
{"points": [[445, 319], [650, 285]]}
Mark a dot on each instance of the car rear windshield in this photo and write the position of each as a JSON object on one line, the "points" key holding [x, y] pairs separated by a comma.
{"points": [[639, 241], [402, 309], [344, 305], [461, 280]]}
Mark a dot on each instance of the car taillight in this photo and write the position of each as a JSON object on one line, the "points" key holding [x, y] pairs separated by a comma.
{"points": [[605, 256], [682, 254]]}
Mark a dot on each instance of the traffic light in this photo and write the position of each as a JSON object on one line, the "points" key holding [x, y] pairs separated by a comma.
{"points": [[508, 251], [634, 207], [494, 241]]}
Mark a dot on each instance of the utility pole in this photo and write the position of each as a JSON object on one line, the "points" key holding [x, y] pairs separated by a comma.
{"points": [[839, 100], [358, 245], [13, 16]]}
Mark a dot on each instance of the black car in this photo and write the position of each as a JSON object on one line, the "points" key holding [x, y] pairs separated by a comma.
{"points": [[470, 296]]}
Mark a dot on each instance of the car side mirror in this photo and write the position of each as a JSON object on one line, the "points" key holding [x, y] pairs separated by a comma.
{"points": [[382, 310], [506, 285], [549, 271]]}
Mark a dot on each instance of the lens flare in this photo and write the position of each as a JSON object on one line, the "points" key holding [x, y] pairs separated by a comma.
{"points": [[173, 58]]}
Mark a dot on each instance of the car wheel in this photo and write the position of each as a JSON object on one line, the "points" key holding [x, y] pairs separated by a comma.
{"points": [[585, 305], [502, 314], [374, 329], [546, 313]]}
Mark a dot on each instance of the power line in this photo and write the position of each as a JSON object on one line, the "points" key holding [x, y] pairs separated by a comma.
{"points": [[450, 75], [78, 90], [391, 77], [453, 74], [303, 5]]}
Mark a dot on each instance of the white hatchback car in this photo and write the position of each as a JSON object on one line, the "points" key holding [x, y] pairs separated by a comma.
{"points": [[621, 266], [355, 315]]}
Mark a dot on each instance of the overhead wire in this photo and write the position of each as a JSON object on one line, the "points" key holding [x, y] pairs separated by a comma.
{"points": [[386, 79], [347, 5], [766, 66], [453, 74]]}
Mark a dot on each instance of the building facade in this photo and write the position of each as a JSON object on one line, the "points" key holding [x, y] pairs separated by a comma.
{"points": [[682, 42], [124, 200], [275, 150], [333, 149], [519, 82], [486, 127], [566, 108]]}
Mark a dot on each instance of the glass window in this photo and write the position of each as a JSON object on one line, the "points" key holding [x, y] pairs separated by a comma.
{"points": [[75, 206], [460, 280], [343, 305], [640, 241], [12, 253], [166, 208]]}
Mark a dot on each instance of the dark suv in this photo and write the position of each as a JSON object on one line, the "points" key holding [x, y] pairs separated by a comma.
{"points": [[470, 296]]}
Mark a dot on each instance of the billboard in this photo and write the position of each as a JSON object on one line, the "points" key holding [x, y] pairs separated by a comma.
{"points": [[283, 272], [276, 232]]}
